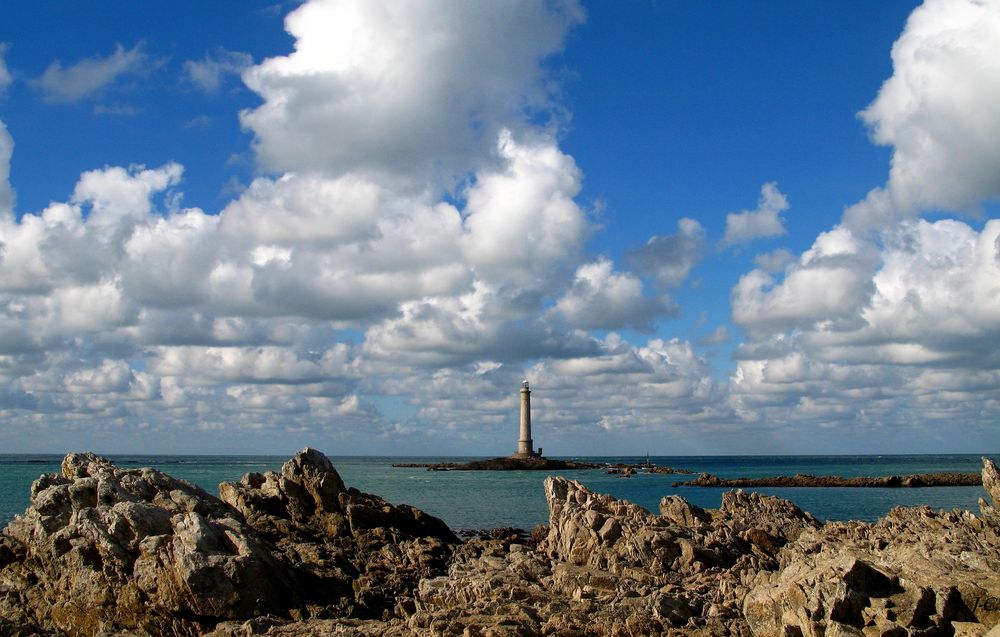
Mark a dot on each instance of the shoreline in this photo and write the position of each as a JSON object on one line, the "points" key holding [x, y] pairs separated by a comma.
{"points": [[109, 549]]}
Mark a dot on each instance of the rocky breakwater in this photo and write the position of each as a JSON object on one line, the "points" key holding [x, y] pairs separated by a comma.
{"points": [[103, 549], [914, 481]]}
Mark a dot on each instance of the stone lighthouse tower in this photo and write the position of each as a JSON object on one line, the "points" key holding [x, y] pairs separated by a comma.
{"points": [[524, 443]]}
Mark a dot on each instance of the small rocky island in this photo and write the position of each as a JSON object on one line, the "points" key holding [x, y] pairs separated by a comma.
{"points": [[103, 550], [526, 458], [503, 463]]}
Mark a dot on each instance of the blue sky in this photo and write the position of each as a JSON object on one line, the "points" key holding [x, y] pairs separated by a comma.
{"points": [[695, 227]]}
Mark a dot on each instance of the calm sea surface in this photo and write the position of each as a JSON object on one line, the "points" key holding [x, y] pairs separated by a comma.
{"points": [[487, 499]]}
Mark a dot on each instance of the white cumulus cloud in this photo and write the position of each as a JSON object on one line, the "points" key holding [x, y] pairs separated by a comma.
{"points": [[763, 221], [939, 113], [403, 88], [601, 298]]}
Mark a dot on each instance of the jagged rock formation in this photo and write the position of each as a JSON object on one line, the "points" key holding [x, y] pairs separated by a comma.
{"points": [[354, 553], [914, 572], [103, 549]]}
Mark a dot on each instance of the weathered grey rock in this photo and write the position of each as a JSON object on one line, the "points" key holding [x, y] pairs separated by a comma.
{"points": [[354, 553], [681, 512], [991, 484], [103, 548], [916, 571]]}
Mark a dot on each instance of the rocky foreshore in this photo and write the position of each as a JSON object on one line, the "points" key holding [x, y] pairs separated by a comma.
{"points": [[918, 480], [103, 550]]}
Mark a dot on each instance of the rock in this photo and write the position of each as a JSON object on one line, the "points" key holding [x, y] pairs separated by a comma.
{"points": [[103, 548], [681, 512], [991, 484], [354, 552], [632, 537], [295, 552], [804, 480], [780, 519], [915, 571]]}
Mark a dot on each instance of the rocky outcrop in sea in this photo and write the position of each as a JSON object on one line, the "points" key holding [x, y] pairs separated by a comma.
{"points": [[103, 550], [914, 481]]}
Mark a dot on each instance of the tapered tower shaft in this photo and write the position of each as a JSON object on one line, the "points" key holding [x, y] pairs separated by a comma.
{"points": [[524, 443]]}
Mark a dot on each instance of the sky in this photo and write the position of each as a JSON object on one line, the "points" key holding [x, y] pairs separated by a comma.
{"points": [[694, 227]]}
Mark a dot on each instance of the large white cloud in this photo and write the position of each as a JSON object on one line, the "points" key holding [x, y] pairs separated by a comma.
{"points": [[939, 113], [890, 323], [404, 88], [350, 275], [522, 220], [827, 287], [861, 337]]}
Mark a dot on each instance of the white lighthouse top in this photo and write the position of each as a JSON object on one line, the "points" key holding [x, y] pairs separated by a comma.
{"points": [[524, 383]]}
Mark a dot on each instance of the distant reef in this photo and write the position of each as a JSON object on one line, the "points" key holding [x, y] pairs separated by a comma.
{"points": [[806, 480], [106, 550]]}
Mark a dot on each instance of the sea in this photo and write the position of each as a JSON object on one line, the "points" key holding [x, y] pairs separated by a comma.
{"points": [[490, 499]]}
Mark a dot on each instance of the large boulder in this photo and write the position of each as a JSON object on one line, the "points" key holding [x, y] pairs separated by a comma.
{"points": [[101, 548], [354, 553], [597, 530]]}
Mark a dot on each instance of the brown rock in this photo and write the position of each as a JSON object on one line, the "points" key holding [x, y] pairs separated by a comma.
{"points": [[991, 484], [681, 512], [916, 572], [354, 553], [103, 548]]}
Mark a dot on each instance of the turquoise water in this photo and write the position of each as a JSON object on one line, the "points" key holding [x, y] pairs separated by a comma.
{"points": [[487, 499]]}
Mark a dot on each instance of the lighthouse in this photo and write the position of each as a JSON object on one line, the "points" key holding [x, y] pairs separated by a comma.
{"points": [[525, 448]]}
